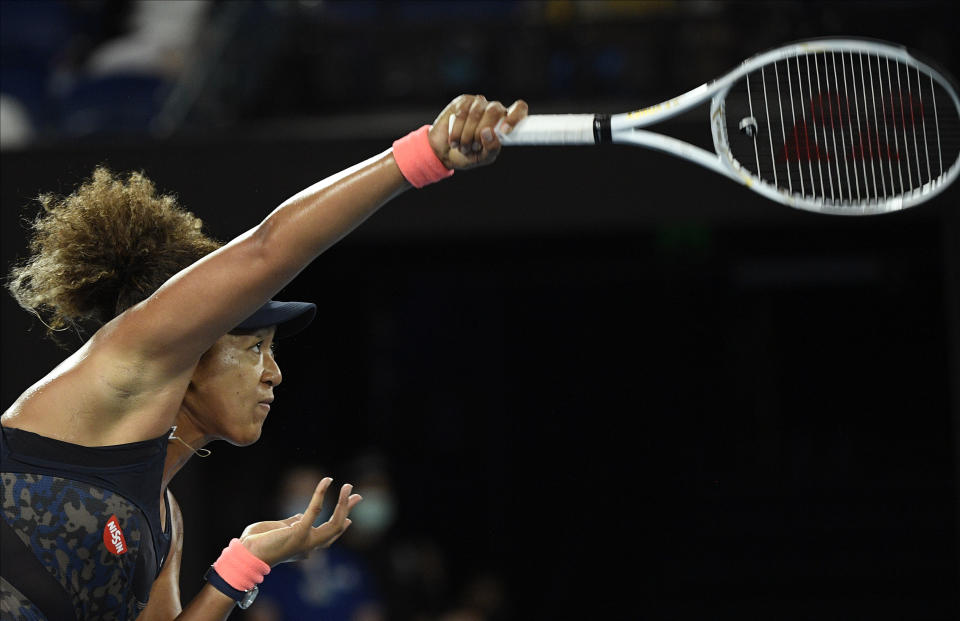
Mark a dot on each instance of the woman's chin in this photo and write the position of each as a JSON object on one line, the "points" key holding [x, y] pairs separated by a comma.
{"points": [[247, 437]]}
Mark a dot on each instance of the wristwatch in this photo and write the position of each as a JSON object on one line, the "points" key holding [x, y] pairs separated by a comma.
{"points": [[243, 598]]}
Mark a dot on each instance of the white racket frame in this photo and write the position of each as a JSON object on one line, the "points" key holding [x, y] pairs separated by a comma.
{"points": [[578, 129]]}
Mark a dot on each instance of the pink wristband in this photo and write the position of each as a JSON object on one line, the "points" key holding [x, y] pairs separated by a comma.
{"points": [[239, 567], [416, 159]]}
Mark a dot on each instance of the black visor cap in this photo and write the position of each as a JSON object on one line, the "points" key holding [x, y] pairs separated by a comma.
{"points": [[289, 317]]}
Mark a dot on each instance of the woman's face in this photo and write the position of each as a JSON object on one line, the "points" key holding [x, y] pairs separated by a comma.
{"points": [[231, 389]]}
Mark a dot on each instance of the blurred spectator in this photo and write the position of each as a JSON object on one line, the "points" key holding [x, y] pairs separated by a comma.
{"points": [[16, 128], [486, 593], [123, 84], [91, 67], [157, 42], [483, 599], [34, 39], [416, 581], [370, 475], [411, 569], [463, 614], [372, 572]]}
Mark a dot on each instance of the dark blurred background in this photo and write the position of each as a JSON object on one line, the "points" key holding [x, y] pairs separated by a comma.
{"points": [[582, 383]]}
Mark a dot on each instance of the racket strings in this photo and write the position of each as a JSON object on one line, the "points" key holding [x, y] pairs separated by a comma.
{"points": [[852, 128]]}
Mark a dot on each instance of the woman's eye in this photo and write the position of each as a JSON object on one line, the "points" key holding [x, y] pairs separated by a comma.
{"points": [[259, 348]]}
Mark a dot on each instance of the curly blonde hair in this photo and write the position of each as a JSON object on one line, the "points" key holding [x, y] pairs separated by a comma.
{"points": [[102, 249]]}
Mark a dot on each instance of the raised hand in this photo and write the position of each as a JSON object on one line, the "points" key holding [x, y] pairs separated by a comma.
{"points": [[464, 135], [279, 541]]}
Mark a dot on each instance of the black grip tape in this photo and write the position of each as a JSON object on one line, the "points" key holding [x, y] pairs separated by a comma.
{"points": [[601, 129]]}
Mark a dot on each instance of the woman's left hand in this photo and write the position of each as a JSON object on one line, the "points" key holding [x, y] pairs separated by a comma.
{"points": [[279, 541]]}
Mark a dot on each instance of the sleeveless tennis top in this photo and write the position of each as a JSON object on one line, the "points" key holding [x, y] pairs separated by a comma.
{"points": [[88, 523]]}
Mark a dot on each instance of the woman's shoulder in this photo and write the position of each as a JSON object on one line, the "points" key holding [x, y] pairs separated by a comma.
{"points": [[90, 399]]}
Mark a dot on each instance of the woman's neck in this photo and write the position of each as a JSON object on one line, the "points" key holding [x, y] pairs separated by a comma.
{"points": [[186, 440]]}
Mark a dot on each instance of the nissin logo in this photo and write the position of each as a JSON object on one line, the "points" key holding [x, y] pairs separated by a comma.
{"points": [[113, 536]]}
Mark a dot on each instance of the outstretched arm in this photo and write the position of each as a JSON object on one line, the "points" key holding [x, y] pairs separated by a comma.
{"points": [[224, 288], [158, 342]]}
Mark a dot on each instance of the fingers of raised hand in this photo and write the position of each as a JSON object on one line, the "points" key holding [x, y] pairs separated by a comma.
{"points": [[515, 113], [472, 136], [331, 530], [316, 501], [469, 135], [478, 136], [466, 111], [342, 509], [492, 117]]}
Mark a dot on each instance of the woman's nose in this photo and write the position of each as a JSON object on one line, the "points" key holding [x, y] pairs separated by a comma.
{"points": [[271, 372]]}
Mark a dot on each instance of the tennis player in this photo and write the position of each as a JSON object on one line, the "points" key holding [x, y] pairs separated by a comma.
{"points": [[181, 356]]}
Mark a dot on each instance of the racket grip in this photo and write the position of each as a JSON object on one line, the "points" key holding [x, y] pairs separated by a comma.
{"points": [[554, 129]]}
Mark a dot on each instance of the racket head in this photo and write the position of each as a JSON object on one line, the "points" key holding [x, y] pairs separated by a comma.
{"points": [[840, 126]]}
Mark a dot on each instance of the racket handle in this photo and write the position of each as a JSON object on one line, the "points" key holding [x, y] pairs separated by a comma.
{"points": [[559, 129]]}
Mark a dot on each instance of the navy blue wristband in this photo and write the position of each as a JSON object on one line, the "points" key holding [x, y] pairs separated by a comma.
{"points": [[214, 579]]}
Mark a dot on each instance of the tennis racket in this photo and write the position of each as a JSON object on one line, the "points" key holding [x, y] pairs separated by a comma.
{"points": [[839, 126]]}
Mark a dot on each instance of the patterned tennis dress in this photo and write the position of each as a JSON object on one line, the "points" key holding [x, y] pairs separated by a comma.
{"points": [[81, 536]]}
